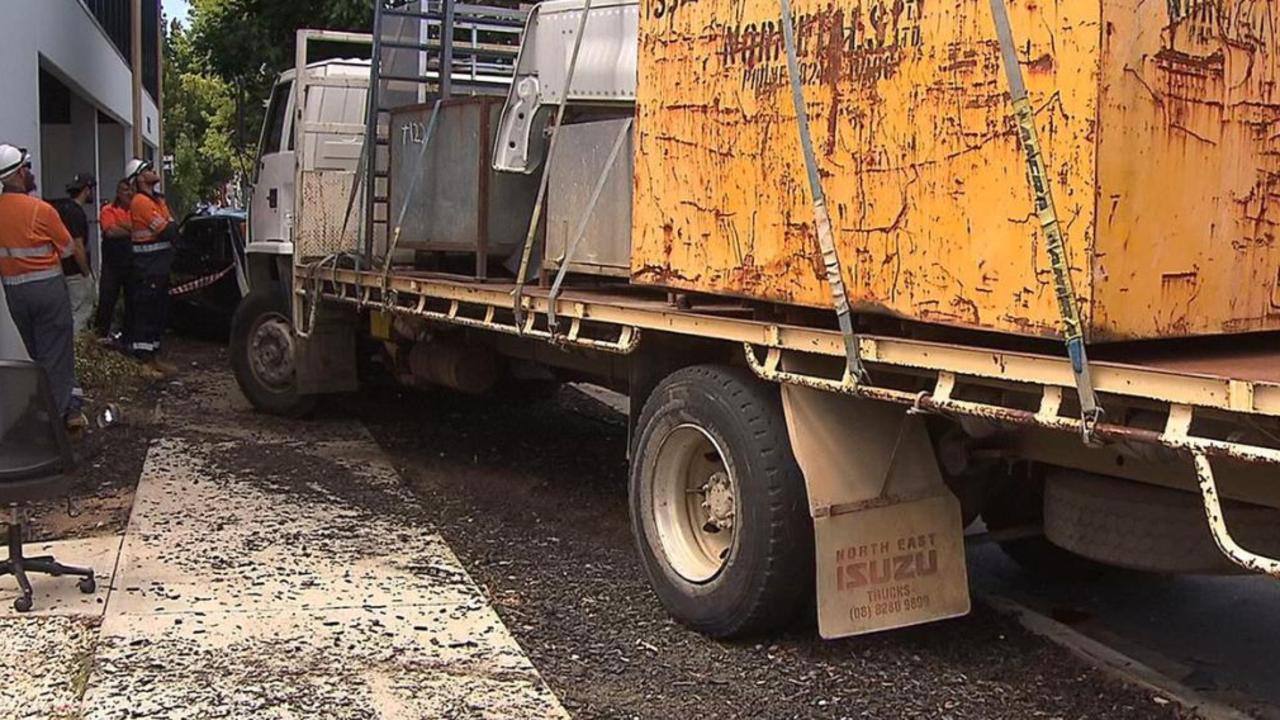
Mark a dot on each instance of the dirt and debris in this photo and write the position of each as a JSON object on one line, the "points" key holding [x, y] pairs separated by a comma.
{"points": [[108, 458], [532, 497], [27, 688], [533, 500]]}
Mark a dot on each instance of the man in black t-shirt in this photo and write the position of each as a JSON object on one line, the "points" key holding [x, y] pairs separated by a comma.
{"points": [[80, 191]]}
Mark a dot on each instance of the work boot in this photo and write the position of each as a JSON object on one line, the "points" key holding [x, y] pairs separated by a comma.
{"points": [[149, 373], [76, 423], [166, 369]]}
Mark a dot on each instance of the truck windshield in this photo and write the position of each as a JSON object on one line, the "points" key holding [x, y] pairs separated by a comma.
{"points": [[276, 114]]}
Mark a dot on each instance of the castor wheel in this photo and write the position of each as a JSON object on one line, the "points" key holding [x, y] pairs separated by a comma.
{"points": [[22, 604], [87, 585]]}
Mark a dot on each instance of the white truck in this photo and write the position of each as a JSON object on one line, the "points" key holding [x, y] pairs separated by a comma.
{"points": [[470, 217]]}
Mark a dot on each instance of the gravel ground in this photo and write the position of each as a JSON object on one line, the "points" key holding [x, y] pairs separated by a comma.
{"points": [[532, 497], [109, 459], [48, 688]]}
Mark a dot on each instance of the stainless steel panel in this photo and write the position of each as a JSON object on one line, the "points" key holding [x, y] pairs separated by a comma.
{"points": [[458, 202], [581, 153]]}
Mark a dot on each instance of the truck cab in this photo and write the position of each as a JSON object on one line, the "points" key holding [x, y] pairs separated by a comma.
{"points": [[336, 100]]}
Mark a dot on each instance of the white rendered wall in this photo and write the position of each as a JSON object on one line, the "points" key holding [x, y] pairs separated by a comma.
{"points": [[63, 37]]}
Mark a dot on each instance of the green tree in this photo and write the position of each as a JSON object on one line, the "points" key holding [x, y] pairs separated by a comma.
{"points": [[200, 118], [247, 43], [219, 73]]}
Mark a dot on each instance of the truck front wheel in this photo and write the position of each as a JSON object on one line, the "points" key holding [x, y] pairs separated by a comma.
{"points": [[262, 354], [718, 504]]}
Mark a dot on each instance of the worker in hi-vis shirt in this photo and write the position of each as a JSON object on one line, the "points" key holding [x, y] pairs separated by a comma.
{"points": [[33, 242], [117, 258], [153, 231]]}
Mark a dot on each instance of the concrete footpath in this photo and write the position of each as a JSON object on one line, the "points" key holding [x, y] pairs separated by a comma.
{"points": [[269, 570]]}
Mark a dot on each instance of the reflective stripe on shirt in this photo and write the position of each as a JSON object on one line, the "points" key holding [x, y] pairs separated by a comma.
{"points": [[151, 247], [45, 250], [32, 276]]}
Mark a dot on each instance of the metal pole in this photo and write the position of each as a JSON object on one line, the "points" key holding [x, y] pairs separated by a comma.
{"points": [[160, 97], [371, 133], [135, 46], [446, 51]]}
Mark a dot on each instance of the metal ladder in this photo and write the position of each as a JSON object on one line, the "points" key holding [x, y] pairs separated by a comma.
{"points": [[424, 51]]}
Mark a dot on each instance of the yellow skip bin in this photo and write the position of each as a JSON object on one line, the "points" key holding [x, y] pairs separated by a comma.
{"points": [[1160, 123]]}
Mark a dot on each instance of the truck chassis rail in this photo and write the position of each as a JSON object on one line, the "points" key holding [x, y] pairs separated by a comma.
{"points": [[613, 322]]}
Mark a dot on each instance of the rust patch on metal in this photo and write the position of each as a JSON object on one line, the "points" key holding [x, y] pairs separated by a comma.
{"points": [[1160, 122], [1042, 64]]}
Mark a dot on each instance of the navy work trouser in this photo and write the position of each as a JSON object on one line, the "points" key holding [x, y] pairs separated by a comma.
{"points": [[42, 312], [117, 256], [149, 288]]}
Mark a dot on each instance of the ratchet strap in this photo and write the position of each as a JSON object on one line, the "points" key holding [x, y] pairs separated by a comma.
{"points": [[418, 171], [1055, 245], [855, 371], [517, 296]]}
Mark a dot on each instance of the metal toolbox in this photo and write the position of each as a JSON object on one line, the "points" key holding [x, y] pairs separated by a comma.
{"points": [[457, 203], [582, 154]]}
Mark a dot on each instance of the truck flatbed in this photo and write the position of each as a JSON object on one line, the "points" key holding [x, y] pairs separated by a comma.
{"points": [[1241, 385]]}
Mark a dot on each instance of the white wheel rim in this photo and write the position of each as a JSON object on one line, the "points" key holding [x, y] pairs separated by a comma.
{"points": [[271, 352], [695, 500]]}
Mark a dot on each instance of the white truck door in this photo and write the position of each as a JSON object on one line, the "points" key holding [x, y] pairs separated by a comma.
{"points": [[271, 210]]}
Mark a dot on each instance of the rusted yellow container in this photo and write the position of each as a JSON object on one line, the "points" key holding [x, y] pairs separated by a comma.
{"points": [[1160, 120]]}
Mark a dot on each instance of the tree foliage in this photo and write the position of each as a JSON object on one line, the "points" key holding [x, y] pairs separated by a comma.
{"points": [[220, 71], [200, 121]]}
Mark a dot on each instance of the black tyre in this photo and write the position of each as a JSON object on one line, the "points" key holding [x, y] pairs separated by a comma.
{"points": [[1153, 529], [718, 504], [262, 354], [1018, 501]]}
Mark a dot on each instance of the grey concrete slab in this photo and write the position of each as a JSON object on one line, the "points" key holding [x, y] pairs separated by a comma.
{"points": [[205, 539], [60, 595], [417, 662], [270, 572]]}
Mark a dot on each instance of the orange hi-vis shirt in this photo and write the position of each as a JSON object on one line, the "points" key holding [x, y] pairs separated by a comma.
{"points": [[116, 218], [150, 216], [33, 240]]}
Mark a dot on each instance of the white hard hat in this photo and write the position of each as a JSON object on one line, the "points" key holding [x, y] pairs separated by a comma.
{"points": [[11, 159], [135, 167]]}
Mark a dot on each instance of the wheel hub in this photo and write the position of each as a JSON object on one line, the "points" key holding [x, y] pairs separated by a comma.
{"points": [[271, 352], [694, 504], [718, 503]]}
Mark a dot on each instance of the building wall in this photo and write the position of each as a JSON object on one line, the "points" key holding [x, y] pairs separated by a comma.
{"points": [[64, 38]]}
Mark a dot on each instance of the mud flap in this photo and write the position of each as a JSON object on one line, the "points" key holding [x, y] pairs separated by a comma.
{"points": [[889, 540], [325, 362]]}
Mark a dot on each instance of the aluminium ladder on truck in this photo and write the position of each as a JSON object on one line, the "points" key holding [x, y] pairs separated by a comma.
{"points": [[413, 41]]}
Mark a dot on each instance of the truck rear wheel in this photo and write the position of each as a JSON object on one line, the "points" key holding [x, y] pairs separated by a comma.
{"points": [[262, 354], [718, 504], [1144, 527], [1018, 502]]}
